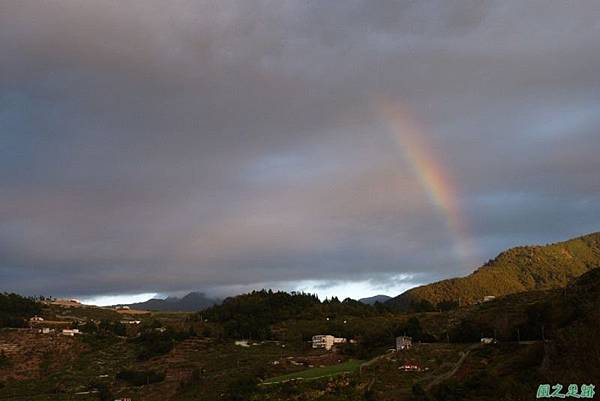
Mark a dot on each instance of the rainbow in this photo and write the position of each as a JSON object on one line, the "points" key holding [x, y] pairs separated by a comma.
{"points": [[411, 140]]}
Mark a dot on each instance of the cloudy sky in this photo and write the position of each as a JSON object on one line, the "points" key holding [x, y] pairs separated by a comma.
{"points": [[345, 147]]}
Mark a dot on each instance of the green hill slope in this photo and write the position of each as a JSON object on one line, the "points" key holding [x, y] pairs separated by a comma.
{"points": [[519, 269]]}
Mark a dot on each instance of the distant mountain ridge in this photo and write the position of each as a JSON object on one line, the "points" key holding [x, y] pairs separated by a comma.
{"points": [[194, 301], [515, 270], [375, 298]]}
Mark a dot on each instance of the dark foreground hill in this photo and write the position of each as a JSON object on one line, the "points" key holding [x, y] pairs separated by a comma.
{"points": [[194, 301], [518, 269], [15, 310]]}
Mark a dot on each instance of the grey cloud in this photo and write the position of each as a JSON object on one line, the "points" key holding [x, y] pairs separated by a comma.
{"points": [[227, 144]]}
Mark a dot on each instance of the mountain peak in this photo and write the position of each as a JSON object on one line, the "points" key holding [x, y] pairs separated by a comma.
{"points": [[376, 298], [193, 301]]}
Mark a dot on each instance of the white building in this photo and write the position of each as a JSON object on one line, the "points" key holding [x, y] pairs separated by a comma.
{"points": [[36, 319], [70, 332], [488, 298], [326, 341], [410, 367], [488, 340], [403, 342]]}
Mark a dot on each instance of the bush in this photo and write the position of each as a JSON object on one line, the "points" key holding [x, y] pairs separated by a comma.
{"points": [[469, 331], [242, 388], [418, 394], [104, 393], [116, 328], [141, 377], [15, 309], [154, 343], [4, 361]]}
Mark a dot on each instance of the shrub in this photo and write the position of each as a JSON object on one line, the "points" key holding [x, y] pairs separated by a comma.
{"points": [[141, 377], [242, 388], [4, 361], [15, 309]]}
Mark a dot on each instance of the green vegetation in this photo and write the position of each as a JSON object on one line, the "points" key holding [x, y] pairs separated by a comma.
{"points": [[242, 388], [519, 269], [349, 366], [15, 310], [575, 352], [116, 328], [251, 315], [141, 377], [153, 343], [4, 361], [348, 387]]}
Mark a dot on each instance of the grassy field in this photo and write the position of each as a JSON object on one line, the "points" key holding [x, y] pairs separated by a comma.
{"points": [[349, 366]]}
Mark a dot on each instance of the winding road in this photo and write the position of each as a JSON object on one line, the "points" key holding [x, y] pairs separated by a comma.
{"points": [[451, 373]]}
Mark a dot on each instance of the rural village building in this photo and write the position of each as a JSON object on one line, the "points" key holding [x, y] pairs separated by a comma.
{"points": [[326, 341], [403, 342]]}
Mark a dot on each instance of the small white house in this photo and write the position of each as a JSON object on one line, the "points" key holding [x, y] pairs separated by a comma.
{"points": [[488, 298], [487, 340], [70, 332], [36, 319], [322, 341], [326, 341], [124, 307], [403, 343], [44, 330]]}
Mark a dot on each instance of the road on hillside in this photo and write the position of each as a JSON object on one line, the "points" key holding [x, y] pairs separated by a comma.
{"points": [[451, 373]]}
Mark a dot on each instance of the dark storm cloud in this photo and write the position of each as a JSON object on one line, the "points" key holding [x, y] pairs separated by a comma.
{"points": [[230, 144]]}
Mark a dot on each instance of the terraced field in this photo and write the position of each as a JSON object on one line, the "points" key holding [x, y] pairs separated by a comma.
{"points": [[349, 366]]}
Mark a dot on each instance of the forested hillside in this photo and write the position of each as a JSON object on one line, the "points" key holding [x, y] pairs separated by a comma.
{"points": [[251, 315], [16, 309], [519, 269]]}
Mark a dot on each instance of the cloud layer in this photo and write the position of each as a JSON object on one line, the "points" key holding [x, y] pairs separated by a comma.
{"points": [[212, 145]]}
